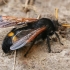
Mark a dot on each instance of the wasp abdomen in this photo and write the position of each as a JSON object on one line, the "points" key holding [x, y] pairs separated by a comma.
{"points": [[7, 42]]}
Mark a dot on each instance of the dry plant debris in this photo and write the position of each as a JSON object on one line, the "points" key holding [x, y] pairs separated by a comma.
{"points": [[2, 2], [27, 4]]}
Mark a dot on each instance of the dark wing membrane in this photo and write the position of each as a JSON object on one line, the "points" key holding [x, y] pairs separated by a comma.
{"points": [[26, 39], [7, 21], [7, 24], [19, 19]]}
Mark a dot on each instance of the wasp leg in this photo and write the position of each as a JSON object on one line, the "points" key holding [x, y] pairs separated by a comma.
{"points": [[58, 38], [30, 47], [48, 43]]}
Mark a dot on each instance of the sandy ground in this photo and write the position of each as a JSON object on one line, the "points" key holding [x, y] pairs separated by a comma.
{"points": [[38, 58]]}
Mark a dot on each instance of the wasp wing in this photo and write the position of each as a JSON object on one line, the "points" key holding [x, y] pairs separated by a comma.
{"points": [[7, 21], [26, 39]]}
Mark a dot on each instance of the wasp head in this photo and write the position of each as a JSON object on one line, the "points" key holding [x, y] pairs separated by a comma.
{"points": [[56, 25]]}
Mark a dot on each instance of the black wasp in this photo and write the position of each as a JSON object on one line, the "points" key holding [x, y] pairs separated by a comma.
{"points": [[40, 29]]}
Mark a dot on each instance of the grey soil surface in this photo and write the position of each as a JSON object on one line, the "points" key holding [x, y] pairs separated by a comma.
{"points": [[38, 57]]}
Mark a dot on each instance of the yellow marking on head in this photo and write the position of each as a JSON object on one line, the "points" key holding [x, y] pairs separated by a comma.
{"points": [[14, 39], [11, 34]]}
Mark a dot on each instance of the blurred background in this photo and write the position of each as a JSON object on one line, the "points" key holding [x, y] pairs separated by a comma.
{"points": [[38, 58], [33, 8]]}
